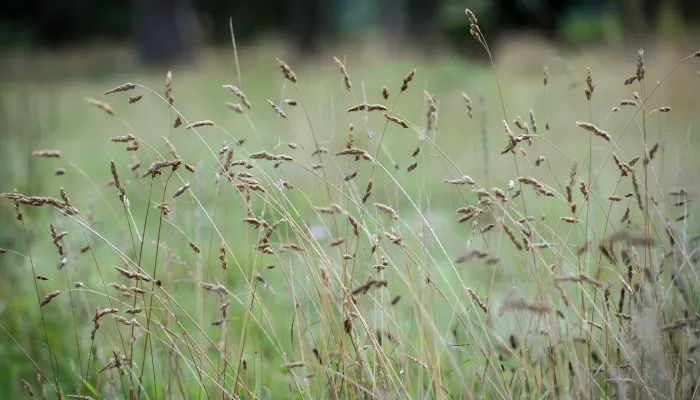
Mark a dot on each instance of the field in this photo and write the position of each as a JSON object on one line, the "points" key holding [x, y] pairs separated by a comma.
{"points": [[407, 266]]}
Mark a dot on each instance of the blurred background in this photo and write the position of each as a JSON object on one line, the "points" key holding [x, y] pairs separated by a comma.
{"points": [[164, 31], [55, 53]]}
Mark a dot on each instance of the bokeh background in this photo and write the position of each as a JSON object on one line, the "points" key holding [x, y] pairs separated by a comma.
{"points": [[55, 53]]}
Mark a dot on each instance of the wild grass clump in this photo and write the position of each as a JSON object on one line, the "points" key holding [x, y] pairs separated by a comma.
{"points": [[291, 264]]}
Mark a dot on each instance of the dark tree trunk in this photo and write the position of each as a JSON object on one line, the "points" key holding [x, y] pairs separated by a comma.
{"points": [[424, 16], [307, 20], [394, 19], [164, 30], [690, 11]]}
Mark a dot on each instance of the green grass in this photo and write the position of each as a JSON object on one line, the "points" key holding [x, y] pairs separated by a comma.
{"points": [[435, 342]]}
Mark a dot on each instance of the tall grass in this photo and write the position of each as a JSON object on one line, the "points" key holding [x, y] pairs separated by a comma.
{"points": [[385, 259]]}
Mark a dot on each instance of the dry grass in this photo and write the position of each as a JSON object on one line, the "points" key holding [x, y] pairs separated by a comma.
{"points": [[230, 270]]}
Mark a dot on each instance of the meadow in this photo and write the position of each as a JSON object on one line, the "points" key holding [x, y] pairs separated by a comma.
{"points": [[519, 226]]}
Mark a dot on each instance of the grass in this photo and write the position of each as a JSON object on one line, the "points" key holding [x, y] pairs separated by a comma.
{"points": [[476, 316]]}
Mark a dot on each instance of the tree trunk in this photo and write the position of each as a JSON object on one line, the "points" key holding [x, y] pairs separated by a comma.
{"points": [[164, 30]]}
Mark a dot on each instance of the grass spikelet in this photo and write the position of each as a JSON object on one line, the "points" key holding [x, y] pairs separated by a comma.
{"points": [[222, 255], [46, 153], [178, 121], [197, 124], [47, 299], [122, 139], [350, 176], [40, 277], [569, 220], [353, 151], [319, 150], [194, 247], [589, 84], [351, 137], [385, 92], [181, 190], [336, 242], [37, 201], [562, 294], [486, 228], [621, 165], [238, 92], [292, 246], [157, 166], [121, 88], [512, 237], [387, 210], [665, 109], [478, 300], [594, 129], [344, 73], [640, 65], [464, 180], [367, 107], [409, 77], [332, 209], [474, 29], [354, 224], [468, 103], [101, 105], [630, 80], [397, 121], [368, 191], [579, 278], [169, 88], [637, 193], [292, 365], [235, 107], [431, 116], [134, 99], [287, 71], [291, 102], [652, 153], [584, 189], [277, 109], [524, 305], [27, 388], [347, 325], [412, 167]]}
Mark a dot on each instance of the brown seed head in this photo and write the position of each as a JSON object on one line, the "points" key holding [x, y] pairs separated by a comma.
{"points": [[134, 99], [47, 153], [47, 299], [287, 71], [277, 109], [238, 92], [397, 121], [101, 105], [344, 73], [121, 88], [640, 65], [408, 79], [197, 124]]}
